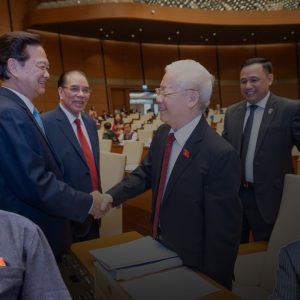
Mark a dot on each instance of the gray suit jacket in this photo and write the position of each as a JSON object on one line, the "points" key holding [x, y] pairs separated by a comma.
{"points": [[200, 216], [76, 172], [279, 131], [288, 276]]}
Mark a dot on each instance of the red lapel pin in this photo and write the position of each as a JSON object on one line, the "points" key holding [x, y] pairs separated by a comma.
{"points": [[186, 153]]}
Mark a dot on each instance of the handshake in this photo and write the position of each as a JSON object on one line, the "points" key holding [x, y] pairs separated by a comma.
{"points": [[102, 203]]}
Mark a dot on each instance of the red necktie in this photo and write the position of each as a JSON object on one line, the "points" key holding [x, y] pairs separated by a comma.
{"points": [[163, 173], [88, 155]]}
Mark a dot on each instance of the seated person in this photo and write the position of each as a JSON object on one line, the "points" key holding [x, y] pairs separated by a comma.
{"points": [[28, 269], [117, 126], [108, 134], [128, 134], [288, 275]]}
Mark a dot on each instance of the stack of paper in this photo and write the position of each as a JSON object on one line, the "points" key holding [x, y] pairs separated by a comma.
{"points": [[136, 258]]}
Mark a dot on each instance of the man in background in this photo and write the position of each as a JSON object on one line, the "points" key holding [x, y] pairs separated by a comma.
{"points": [[31, 180], [264, 144], [62, 132], [28, 269], [195, 181]]}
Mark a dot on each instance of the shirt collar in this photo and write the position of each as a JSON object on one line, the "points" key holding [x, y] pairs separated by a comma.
{"points": [[184, 133], [26, 100], [261, 103], [70, 116]]}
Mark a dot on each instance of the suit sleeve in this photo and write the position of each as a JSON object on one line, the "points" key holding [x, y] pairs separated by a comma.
{"points": [[27, 165], [223, 216], [296, 128], [287, 282]]}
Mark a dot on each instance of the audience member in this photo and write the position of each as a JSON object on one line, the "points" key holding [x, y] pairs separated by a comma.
{"points": [[128, 134], [117, 126], [287, 285], [196, 210], [77, 153], [265, 147], [31, 180], [108, 134], [93, 113], [28, 269]]}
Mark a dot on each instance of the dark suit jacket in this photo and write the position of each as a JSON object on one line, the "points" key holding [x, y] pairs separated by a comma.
{"points": [[201, 213], [76, 172], [288, 275], [30, 178], [279, 131]]}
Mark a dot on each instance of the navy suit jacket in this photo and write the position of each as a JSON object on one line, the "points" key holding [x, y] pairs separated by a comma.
{"points": [[201, 214], [288, 275], [279, 131], [31, 182], [76, 172]]}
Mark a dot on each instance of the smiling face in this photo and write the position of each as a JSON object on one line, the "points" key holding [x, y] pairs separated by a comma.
{"points": [[75, 93], [255, 82], [29, 77]]}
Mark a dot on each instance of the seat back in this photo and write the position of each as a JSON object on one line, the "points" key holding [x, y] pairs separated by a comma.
{"points": [[286, 228], [133, 151], [112, 166], [105, 145], [145, 135]]}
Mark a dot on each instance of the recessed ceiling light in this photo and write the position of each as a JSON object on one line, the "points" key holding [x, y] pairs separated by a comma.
{"points": [[214, 33], [112, 32], [244, 39], [284, 37], [133, 35], [140, 29], [169, 38], [177, 32], [206, 40], [252, 34], [107, 35], [101, 29], [292, 32]]}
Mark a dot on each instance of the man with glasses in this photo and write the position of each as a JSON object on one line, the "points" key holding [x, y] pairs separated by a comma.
{"points": [[195, 209], [61, 130], [31, 176]]}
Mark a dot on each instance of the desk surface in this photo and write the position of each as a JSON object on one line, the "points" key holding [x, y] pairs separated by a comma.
{"points": [[81, 251]]}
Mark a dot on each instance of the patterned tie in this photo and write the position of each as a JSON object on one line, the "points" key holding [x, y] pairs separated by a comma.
{"points": [[246, 138], [170, 140], [38, 119], [88, 155]]}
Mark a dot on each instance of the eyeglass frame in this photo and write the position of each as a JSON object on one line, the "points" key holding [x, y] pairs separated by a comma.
{"points": [[77, 89], [159, 92]]}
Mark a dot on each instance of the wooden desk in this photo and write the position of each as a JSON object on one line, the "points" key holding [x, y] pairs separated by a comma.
{"points": [[81, 252]]}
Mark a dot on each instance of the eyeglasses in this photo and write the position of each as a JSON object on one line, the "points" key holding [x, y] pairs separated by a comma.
{"points": [[159, 92], [76, 89]]}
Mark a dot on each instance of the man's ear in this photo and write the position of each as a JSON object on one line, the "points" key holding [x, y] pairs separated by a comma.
{"points": [[270, 78], [13, 66], [193, 99]]}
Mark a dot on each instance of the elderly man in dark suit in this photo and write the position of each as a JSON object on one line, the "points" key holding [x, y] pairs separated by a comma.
{"points": [[196, 210], [287, 285], [265, 145], [31, 180], [62, 132]]}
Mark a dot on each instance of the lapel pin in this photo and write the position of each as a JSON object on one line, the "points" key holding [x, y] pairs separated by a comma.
{"points": [[270, 110], [186, 153]]}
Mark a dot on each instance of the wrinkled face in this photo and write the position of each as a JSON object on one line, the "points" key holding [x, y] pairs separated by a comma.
{"points": [[255, 83], [31, 75], [75, 93], [172, 102]]}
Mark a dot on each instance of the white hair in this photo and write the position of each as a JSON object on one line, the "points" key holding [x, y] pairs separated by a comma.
{"points": [[190, 74]]}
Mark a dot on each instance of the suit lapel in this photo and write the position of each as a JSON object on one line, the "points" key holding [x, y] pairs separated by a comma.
{"points": [[269, 113], [186, 156], [66, 128], [90, 131]]}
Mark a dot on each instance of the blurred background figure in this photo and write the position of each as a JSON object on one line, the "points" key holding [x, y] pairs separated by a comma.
{"points": [[128, 134], [93, 113]]}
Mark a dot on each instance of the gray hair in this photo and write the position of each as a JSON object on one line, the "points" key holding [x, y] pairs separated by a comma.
{"points": [[190, 74]]}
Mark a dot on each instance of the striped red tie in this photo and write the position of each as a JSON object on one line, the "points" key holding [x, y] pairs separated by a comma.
{"points": [[88, 155], [170, 140]]}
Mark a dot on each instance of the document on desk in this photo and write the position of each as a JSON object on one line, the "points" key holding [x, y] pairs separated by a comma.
{"points": [[136, 258], [176, 284]]}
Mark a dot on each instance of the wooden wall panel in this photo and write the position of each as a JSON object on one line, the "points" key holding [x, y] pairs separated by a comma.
{"points": [[122, 63], [4, 17], [156, 57], [18, 10], [230, 59], [284, 61]]}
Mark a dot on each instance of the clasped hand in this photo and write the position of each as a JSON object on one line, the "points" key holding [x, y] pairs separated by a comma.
{"points": [[102, 203]]}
